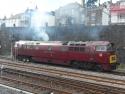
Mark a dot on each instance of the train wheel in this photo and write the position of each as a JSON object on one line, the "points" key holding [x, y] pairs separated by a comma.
{"points": [[30, 59], [99, 68], [19, 58], [84, 66], [24, 59], [87, 66], [75, 64]]}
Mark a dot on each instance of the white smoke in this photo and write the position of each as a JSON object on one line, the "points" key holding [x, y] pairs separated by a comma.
{"points": [[38, 23], [40, 34]]}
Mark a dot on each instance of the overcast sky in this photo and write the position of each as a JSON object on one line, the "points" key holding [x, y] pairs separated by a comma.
{"points": [[8, 7]]}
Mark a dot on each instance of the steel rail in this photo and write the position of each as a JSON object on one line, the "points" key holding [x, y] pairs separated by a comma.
{"points": [[92, 88], [70, 83], [62, 74], [13, 79], [120, 73], [66, 73]]}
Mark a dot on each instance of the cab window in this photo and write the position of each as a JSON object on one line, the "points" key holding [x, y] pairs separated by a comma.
{"points": [[110, 47], [101, 48]]}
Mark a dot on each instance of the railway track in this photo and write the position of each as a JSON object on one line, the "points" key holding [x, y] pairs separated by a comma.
{"points": [[53, 82], [120, 73], [6, 57], [63, 73], [23, 81], [97, 83]]}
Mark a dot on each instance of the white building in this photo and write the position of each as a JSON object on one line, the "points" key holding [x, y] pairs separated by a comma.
{"points": [[70, 14], [118, 12], [19, 20], [27, 18], [97, 16], [49, 19]]}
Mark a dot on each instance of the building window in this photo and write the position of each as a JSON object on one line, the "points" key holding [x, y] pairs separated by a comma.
{"points": [[93, 16], [73, 12], [121, 16]]}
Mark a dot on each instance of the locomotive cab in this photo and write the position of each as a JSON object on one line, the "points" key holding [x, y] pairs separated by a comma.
{"points": [[106, 55]]}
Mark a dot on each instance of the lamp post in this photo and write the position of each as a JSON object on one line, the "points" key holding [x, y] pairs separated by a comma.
{"points": [[12, 39], [11, 44]]}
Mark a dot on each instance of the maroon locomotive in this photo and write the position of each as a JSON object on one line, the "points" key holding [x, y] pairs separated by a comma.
{"points": [[99, 55]]}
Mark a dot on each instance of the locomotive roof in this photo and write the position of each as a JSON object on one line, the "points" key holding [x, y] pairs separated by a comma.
{"points": [[39, 42], [97, 42], [87, 43]]}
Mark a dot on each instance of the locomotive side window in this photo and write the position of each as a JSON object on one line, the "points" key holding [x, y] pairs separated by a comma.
{"points": [[72, 44], [36, 47], [110, 47], [49, 48], [101, 48], [31, 46], [76, 49], [77, 44], [71, 48], [23, 46], [82, 49], [64, 48]]}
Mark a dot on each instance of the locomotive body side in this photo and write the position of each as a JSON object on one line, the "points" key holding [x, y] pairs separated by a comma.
{"points": [[86, 55]]}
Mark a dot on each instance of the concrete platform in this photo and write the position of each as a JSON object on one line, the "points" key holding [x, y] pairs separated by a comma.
{"points": [[10, 90]]}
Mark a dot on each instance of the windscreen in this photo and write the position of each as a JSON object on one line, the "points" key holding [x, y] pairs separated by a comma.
{"points": [[101, 48], [108, 47]]}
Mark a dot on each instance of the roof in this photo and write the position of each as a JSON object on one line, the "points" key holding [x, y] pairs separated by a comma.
{"points": [[39, 42], [80, 43], [98, 42]]}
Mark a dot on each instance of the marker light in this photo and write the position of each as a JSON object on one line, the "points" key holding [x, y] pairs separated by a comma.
{"points": [[100, 54]]}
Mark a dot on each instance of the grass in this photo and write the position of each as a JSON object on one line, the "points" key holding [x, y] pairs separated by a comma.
{"points": [[121, 67]]}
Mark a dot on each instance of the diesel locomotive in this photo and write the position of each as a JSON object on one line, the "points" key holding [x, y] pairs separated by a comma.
{"points": [[97, 55]]}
